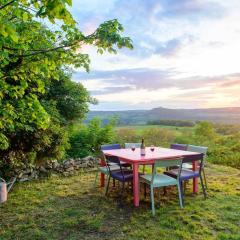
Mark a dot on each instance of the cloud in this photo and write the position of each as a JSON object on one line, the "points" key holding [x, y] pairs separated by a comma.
{"points": [[185, 50]]}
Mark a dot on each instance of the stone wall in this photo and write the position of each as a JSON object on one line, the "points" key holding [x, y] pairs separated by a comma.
{"points": [[65, 168]]}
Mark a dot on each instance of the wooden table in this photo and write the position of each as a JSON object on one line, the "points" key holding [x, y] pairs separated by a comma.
{"points": [[135, 158]]}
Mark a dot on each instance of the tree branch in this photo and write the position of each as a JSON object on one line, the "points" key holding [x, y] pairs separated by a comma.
{"points": [[5, 5]]}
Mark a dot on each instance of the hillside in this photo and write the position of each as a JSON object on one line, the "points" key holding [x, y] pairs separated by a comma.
{"points": [[223, 115]]}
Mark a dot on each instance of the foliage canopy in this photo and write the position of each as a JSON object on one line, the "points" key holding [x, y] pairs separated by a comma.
{"points": [[37, 97]]}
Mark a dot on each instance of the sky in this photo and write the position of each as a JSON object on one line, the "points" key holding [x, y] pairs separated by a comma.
{"points": [[186, 54]]}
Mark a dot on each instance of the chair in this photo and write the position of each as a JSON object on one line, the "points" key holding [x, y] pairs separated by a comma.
{"points": [[157, 180], [104, 169], [198, 149], [115, 146], [179, 146], [130, 145], [122, 175], [110, 146], [187, 174]]}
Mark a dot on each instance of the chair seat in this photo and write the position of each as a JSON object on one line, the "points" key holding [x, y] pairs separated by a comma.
{"points": [[112, 168], [185, 174], [159, 180], [124, 176], [187, 165], [125, 164]]}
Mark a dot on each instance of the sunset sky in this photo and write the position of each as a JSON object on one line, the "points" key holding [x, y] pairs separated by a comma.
{"points": [[186, 54]]}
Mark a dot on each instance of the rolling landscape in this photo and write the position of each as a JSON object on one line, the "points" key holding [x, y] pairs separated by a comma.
{"points": [[227, 115]]}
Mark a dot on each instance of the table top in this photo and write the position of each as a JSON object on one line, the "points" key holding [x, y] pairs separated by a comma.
{"points": [[128, 155]]}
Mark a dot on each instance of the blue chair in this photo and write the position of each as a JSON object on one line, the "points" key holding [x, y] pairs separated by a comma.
{"points": [[187, 174], [157, 180], [110, 146]]}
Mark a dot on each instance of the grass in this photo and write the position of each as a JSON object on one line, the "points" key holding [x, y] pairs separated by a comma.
{"points": [[177, 130], [70, 208]]}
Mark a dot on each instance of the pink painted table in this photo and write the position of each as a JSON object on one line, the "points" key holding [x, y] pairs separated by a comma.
{"points": [[134, 158]]}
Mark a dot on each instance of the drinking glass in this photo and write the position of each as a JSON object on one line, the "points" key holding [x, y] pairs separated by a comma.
{"points": [[152, 148]]}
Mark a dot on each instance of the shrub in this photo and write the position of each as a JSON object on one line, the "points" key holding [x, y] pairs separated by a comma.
{"points": [[88, 138], [124, 135]]}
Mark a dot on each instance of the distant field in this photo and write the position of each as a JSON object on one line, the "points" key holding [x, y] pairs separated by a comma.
{"points": [[177, 130]]}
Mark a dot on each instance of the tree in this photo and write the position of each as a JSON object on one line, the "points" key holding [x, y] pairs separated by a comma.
{"points": [[37, 98]]}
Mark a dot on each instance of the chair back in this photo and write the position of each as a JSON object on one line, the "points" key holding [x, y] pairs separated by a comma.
{"points": [[113, 160], [130, 145], [198, 149], [167, 163], [178, 146], [110, 146]]}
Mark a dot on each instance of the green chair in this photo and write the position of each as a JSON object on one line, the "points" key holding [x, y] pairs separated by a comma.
{"points": [[130, 145], [157, 180]]}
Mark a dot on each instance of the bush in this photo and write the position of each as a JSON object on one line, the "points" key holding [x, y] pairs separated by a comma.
{"points": [[152, 136], [88, 138], [127, 135], [158, 136]]}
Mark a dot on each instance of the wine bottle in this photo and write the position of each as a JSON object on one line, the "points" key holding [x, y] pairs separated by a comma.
{"points": [[142, 149]]}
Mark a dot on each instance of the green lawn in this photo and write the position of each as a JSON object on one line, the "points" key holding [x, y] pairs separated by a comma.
{"points": [[69, 208]]}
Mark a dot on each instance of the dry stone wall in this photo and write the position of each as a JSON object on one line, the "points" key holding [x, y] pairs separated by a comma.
{"points": [[65, 168]]}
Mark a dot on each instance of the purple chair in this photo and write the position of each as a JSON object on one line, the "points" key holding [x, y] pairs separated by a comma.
{"points": [[110, 146], [179, 146], [187, 174], [114, 146], [122, 175]]}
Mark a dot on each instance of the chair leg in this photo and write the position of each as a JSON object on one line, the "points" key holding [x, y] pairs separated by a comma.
{"points": [[121, 196], [152, 201], [107, 187], [205, 180], [203, 188], [180, 195], [182, 192], [145, 190], [143, 169]]}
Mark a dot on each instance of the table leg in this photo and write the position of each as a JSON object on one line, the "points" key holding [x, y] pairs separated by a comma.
{"points": [[102, 163], [135, 185], [195, 180]]}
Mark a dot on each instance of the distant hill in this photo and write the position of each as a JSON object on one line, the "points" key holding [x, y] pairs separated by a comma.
{"points": [[228, 115]]}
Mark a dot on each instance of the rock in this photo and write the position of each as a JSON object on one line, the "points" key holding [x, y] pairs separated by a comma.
{"points": [[66, 174], [55, 165], [20, 175], [24, 179], [70, 169], [42, 169]]}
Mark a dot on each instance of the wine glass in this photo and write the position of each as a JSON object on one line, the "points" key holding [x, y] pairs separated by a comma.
{"points": [[133, 147], [152, 148]]}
